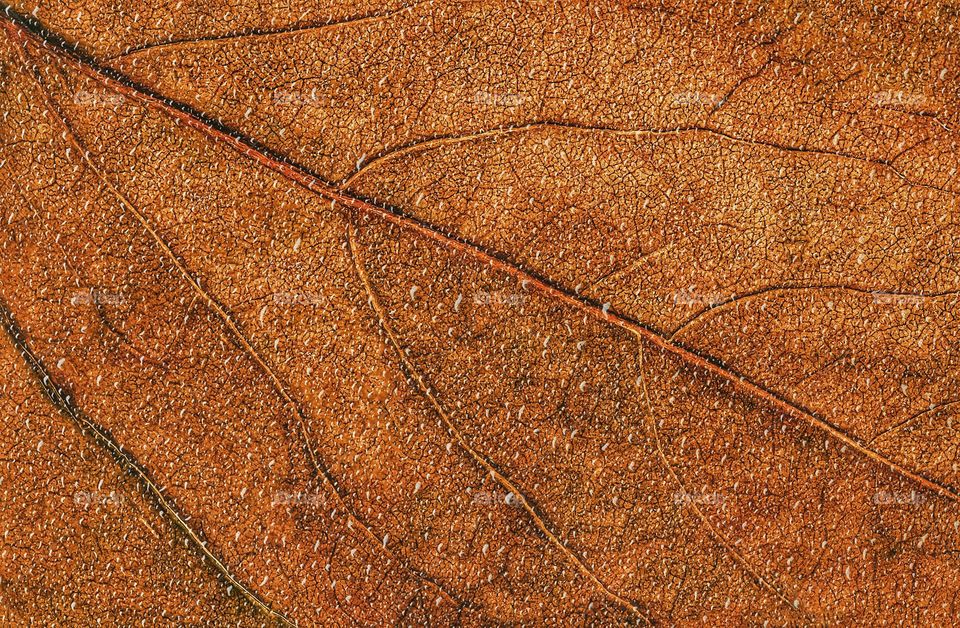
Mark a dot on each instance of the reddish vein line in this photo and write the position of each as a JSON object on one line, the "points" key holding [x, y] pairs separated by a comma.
{"points": [[28, 29]]}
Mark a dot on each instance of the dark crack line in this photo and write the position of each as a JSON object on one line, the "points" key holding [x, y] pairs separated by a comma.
{"points": [[59, 396]]}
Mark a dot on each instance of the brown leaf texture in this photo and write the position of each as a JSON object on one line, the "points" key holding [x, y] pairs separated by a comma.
{"points": [[479, 313]]}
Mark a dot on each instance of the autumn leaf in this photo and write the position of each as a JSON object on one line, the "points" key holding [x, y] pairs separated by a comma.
{"points": [[480, 313]]}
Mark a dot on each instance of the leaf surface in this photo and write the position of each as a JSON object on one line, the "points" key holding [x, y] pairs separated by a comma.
{"points": [[480, 313]]}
